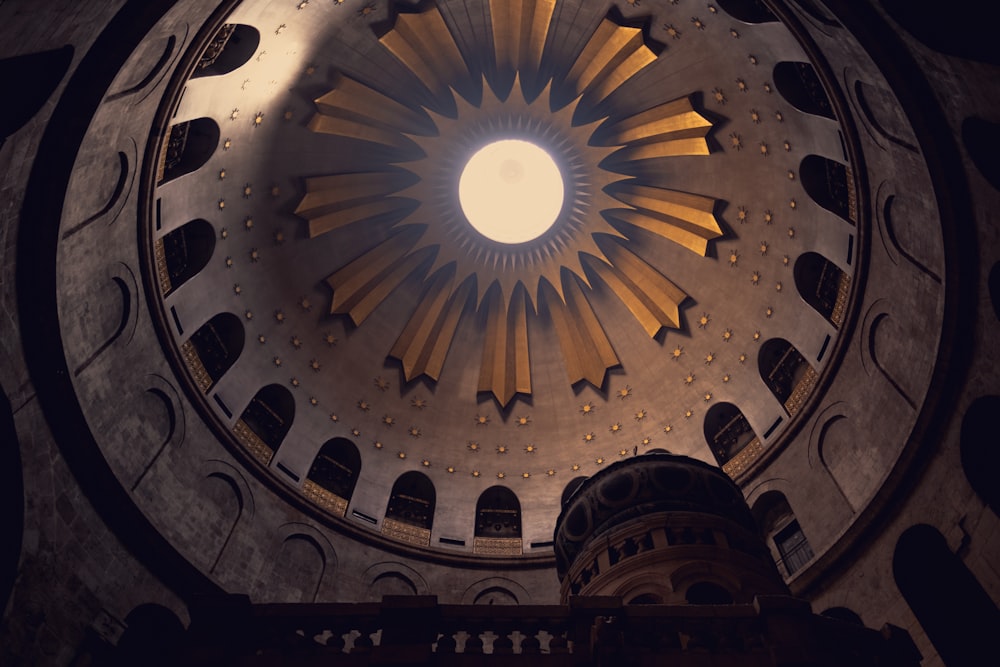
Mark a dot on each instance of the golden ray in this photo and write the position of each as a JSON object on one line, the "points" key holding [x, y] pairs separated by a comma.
{"points": [[362, 285], [424, 343], [335, 201], [612, 56], [685, 218], [587, 352], [505, 369], [519, 31], [653, 300], [426, 46]]}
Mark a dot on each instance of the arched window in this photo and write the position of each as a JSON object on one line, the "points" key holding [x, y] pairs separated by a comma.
{"points": [[829, 184], [781, 530], [800, 86], [333, 475], [978, 446], [186, 148], [728, 434], [498, 522], [706, 592], [265, 422], [823, 286], [786, 373], [748, 11], [214, 348], [958, 616], [410, 512], [231, 48], [182, 253]]}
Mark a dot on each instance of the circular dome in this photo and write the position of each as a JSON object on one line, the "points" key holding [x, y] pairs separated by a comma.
{"points": [[511, 191]]}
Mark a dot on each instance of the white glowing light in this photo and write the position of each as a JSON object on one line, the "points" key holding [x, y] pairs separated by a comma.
{"points": [[511, 191]]}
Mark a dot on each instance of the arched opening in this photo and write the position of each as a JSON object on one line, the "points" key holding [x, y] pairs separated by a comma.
{"points": [[498, 523], [213, 349], [265, 422], [153, 636], [748, 11], [231, 48], [979, 452], [183, 253], [707, 592], [981, 139], [786, 373], [186, 148], [35, 77], [410, 512], [781, 530], [958, 616], [333, 475], [829, 184], [729, 435], [571, 488], [496, 595], [823, 285], [799, 84]]}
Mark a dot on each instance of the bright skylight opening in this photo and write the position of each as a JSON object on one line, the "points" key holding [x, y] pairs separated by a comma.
{"points": [[511, 191]]}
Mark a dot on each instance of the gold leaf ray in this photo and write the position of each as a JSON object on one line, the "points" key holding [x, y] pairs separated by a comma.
{"points": [[520, 28], [360, 286], [424, 343], [663, 211], [335, 201], [668, 119], [505, 369], [653, 299], [613, 55], [587, 353], [351, 100], [426, 46]]}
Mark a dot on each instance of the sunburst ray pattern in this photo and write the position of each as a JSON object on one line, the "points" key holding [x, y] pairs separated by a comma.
{"points": [[463, 271]]}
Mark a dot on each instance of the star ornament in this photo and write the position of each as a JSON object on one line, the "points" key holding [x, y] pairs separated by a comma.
{"points": [[432, 238]]}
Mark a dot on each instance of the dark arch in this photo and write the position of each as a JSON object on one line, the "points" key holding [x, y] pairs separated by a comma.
{"points": [[153, 636], [981, 139], [780, 528], [823, 286], [958, 616], [707, 592], [186, 251], [498, 513], [218, 344], [268, 417], [843, 614], [951, 31], [35, 77], [800, 86], [827, 183], [188, 147], [646, 598], [979, 452], [571, 488], [412, 500], [784, 370], [336, 469], [748, 11], [231, 48], [727, 431]]}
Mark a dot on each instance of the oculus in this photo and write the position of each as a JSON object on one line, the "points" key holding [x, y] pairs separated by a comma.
{"points": [[488, 97]]}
